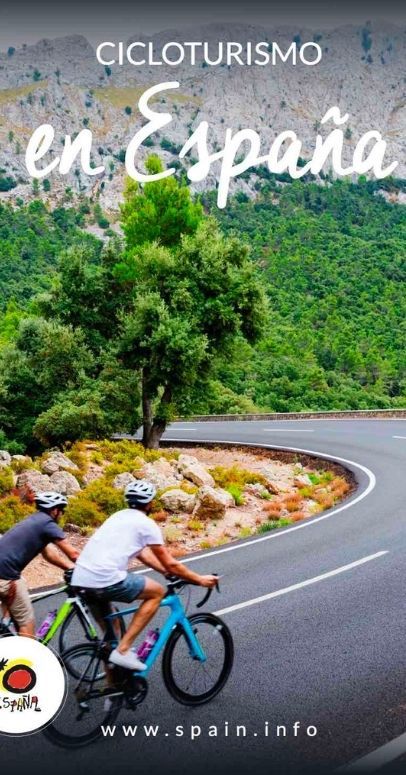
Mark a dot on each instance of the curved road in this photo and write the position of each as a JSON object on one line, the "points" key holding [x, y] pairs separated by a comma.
{"points": [[329, 653]]}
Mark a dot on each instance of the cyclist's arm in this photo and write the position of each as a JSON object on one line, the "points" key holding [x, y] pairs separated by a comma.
{"points": [[172, 565], [53, 556], [148, 558]]}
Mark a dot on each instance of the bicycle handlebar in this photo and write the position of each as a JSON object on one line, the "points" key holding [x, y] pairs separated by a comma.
{"points": [[176, 584]]}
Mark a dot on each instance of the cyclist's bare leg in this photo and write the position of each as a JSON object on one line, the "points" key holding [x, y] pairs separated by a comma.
{"points": [[152, 596], [28, 629]]}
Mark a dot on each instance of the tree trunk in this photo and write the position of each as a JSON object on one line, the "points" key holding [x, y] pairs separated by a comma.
{"points": [[147, 418], [154, 435], [154, 427]]}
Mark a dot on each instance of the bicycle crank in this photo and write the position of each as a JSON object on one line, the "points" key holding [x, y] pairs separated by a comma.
{"points": [[135, 691]]}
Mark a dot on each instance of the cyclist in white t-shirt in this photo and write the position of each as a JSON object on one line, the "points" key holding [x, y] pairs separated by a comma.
{"points": [[102, 567]]}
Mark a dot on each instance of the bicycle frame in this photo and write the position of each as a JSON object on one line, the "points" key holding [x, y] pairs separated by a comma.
{"points": [[176, 618], [63, 613]]}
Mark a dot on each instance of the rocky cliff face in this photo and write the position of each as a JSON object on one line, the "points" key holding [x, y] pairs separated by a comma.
{"points": [[60, 82]]}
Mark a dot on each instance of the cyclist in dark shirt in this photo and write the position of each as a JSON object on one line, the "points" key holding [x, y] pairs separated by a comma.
{"points": [[32, 536]]}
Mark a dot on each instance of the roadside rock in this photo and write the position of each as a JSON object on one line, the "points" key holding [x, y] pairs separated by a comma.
{"points": [[5, 458], [212, 504], [139, 464], [257, 489], [56, 461], [270, 482], [178, 500], [121, 480], [186, 460], [64, 482], [152, 473], [21, 458], [33, 480], [93, 472], [71, 528], [191, 469], [302, 480]]}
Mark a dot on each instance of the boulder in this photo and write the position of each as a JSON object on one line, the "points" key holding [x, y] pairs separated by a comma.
{"points": [[121, 480], [33, 480], [212, 504], [270, 482], [191, 469], [56, 461], [152, 474], [64, 482], [257, 489], [138, 464], [163, 466], [5, 458], [93, 472], [186, 460], [178, 500], [302, 480], [21, 458]]}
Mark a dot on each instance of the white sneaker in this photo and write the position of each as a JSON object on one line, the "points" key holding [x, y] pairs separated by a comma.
{"points": [[129, 660]]}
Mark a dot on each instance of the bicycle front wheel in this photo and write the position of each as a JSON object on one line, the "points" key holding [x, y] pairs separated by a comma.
{"points": [[91, 703], [191, 681]]}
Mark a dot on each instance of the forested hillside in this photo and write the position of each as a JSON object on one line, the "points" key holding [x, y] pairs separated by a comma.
{"points": [[331, 259], [31, 239]]}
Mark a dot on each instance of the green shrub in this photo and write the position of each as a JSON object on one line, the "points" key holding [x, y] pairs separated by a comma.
{"points": [[111, 450], [195, 525], [245, 532], [323, 477], [19, 466], [6, 480], [235, 475], [267, 526], [97, 457], [236, 492], [83, 512], [106, 497], [76, 453], [12, 510], [7, 183], [191, 489], [123, 467]]}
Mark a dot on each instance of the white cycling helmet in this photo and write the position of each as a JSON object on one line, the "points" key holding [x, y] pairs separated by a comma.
{"points": [[141, 492], [50, 500]]}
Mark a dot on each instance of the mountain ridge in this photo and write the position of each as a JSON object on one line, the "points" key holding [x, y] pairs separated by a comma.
{"points": [[60, 82]]}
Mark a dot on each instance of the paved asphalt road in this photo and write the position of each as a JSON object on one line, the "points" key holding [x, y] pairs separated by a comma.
{"points": [[330, 654]]}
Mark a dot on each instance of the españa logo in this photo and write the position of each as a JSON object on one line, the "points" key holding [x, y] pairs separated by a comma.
{"points": [[32, 686]]}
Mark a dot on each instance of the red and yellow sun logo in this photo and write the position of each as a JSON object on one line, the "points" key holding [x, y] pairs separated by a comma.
{"points": [[17, 676]]}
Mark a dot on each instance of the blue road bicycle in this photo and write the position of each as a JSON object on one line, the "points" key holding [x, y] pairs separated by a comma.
{"points": [[197, 659]]}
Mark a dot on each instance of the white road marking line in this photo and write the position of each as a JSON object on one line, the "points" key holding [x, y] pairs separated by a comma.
{"points": [[285, 531], [377, 759], [398, 437], [287, 430], [182, 430], [301, 584]]}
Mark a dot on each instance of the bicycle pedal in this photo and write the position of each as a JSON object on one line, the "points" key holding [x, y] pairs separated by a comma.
{"points": [[135, 692]]}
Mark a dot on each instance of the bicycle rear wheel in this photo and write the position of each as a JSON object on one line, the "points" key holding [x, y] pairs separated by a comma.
{"points": [[90, 704], [75, 627], [188, 680]]}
